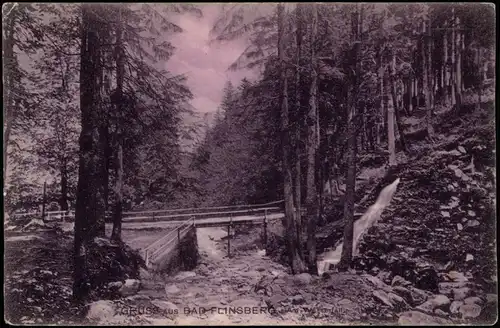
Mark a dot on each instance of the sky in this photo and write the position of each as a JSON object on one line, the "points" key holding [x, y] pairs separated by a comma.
{"points": [[204, 66]]}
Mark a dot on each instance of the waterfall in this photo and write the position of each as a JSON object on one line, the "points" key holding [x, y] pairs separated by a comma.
{"points": [[362, 225]]}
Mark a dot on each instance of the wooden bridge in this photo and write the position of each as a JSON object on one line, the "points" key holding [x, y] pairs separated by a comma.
{"points": [[181, 221]]}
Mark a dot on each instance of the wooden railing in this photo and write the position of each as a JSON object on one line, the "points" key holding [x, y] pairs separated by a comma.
{"points": [[174, 214], [169, 241]]}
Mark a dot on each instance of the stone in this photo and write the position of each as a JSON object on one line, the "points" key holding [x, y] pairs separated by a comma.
{"points": [[460, 227], [454, 306], [396, 300], [375, 281], [441, 301], [130, 287], [473, 223], [101, 310], [460, 294], [446, 288], [462, 150], [400, 281], [445, 214], [115, 285], [474, 300], [245, 302], [491, 298], [171, 290], [440, 312], [139, 297], [404, 293], [469, 311], [457, 276], [469, 257], [185, 274], [165, 305], [418, 296], [302, 279], [416, 318], [144, 274], [471, 213], [438, 302], [383, 297], [297, 299]]}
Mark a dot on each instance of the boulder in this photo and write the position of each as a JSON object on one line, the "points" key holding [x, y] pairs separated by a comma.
{"points": [[101, 310], [115, 285], [130, 287], [440, 313], [400, 281], [457, 276], [438, 302], [417, 318], [144, 274], [461, 293], [454, 306], [404, 293], [297, 299], [418, 296], [383, 297], [469, 311], [474, 300], [184, 275], [446, 288], [165, 305], [302, 279], [171, 290]]}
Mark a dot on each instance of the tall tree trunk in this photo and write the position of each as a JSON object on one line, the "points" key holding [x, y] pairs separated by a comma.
{"points": [[430, 95], [480, 78], [410, 96], [391, 139], [446, 81], [8, 92], [118, 208], [120, 75], [453, 58], [396, 110], [298, 124], [64, 188], [347, 249], [294, 246], [381, 122], [90, 194], [458, 69], [312, 148]]}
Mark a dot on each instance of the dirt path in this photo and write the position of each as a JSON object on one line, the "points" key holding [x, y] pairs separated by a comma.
{"points": [[219, 291]]}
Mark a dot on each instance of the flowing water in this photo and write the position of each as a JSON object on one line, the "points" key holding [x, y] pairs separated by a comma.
{"points": [[360, 227]]}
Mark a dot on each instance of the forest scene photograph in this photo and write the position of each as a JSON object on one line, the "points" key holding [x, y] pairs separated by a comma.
{"points": [[249, 163]]}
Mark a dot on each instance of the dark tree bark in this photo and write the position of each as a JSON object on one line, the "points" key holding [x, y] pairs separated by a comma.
{"points": [[120, 74], [312, 198], [64, 188], [298, 123], [90, 204], [392, 77], [347, 249], [294, 247], [9, 63]]}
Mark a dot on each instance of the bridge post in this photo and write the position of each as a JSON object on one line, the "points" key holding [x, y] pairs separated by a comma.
{"points": [[179, 241], [146, 258], [265, 234], [229, 236]]}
